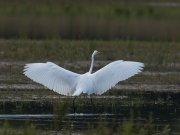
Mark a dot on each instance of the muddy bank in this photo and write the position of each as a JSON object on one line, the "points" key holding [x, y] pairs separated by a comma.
{"points": [[139, 87]]}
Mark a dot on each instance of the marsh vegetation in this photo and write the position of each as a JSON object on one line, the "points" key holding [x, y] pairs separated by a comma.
{"points": [[67, 33], [141, 20], [155, 90], [127, 113]]}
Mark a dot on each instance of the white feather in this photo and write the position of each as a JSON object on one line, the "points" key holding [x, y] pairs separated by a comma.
{"points": [[52, 76], [69, 83], [117, 71]]}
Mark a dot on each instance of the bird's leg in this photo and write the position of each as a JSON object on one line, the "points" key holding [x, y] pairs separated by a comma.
{"points": [[95, 106], [74, 105]]}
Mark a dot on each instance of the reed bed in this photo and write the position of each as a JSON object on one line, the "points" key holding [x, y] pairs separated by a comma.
{"points": [[105, 20]]}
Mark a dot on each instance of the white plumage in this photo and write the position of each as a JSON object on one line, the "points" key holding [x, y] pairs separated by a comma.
{"points": [[69, 83]]}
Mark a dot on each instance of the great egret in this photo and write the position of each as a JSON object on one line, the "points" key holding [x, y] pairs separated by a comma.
{"points": [[69, 83]]}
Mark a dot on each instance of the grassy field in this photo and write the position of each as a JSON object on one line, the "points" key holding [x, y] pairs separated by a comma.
{"points": [[123, 9], [151, 53], [108, 20]]}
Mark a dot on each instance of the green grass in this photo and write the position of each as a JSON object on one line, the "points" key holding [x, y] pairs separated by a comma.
{"points": [[158, 53], [89, 20], [102, 8]]}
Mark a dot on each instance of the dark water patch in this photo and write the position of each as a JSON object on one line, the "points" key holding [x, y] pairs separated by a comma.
{"points": [[165, 108]]}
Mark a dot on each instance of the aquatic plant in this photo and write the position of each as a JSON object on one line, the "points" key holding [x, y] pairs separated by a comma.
{"points": [[27, 130], [60, 109]]}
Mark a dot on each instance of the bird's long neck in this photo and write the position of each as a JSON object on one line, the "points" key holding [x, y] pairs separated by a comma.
{"points": [[92, 64]]}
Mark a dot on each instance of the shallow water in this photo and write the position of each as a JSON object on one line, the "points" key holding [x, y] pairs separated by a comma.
{"points": [[165, 108]]}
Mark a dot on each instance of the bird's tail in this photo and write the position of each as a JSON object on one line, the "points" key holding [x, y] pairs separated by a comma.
{"points": [[77, 92]]}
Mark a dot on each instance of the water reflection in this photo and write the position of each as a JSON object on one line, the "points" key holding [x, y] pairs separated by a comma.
{"points": [[165, 108]]}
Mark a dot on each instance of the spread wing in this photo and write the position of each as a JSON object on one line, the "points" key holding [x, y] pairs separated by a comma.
{"points": [[52, 76], [110, 75]]}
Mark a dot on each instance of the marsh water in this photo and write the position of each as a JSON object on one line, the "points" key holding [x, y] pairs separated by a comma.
{"points": [[164, 106]]}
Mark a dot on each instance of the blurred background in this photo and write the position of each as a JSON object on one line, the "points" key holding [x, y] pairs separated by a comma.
{"points": [[83, 19]]}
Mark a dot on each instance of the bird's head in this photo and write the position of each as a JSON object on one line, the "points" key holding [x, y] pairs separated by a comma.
{"points": [[95, 52]]}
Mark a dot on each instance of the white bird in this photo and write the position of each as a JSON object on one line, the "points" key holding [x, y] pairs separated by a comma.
{"points": [[66, 82], [69, 83]]}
